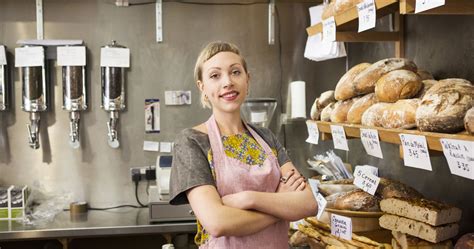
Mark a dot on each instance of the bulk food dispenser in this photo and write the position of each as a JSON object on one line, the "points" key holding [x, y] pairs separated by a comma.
{"points": [[259, 111], [113, 86], [4, 91]]}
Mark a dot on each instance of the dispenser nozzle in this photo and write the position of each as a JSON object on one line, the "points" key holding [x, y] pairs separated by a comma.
{"points": [[74, 118], [33, 130], [112, 129]]}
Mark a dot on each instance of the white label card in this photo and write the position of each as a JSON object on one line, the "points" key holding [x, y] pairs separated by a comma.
{"points": [[151, 146], [329, 29], [415, 151], [371, 142], [341, 226], [367, 168], [322, 202], [29, 57], [366, 181], [422, 5], [367, 15], [71, 56], [115, 57], [165, 147], [258, 117], [313, 133], [339, 137], [3, 56], [460, 156]]}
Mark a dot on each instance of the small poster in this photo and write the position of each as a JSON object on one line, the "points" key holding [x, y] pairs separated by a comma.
{"points": [[152, 115]]}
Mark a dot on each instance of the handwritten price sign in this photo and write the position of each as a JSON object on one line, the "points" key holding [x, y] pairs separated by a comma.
{"points": [[313, 133], [460, 156], [341, 226], [366, 181], [415, 151], [339, 137], [371, 142], [367, 15], [329, 29], [423, 5]]}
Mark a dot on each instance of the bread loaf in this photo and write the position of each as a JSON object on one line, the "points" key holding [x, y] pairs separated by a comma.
{"points": [[357, 200], [315, 111], [424, 75], [329, 10], [326, 112], [427, 211], [465, 242], [373, 115], [401, 114], [344, 5], [345, 86], [329, 189], [397, 84], [405, 241], [354, 116], [365, 81], [391, 188], [469, 121], [339, 114], [444, 106], [418, 229], [427, 84], [326, 98]]}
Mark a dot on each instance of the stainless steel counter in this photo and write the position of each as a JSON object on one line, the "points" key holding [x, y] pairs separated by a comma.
{"points": [[124, 221]]}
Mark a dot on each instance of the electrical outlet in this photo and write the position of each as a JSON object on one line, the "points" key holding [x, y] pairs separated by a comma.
{"points": [[138, 173]]}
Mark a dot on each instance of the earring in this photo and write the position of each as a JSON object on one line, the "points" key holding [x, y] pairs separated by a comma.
{"points": [[206, 98]]}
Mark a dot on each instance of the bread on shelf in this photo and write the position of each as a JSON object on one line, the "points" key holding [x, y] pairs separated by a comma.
{"points": [[345, 86], [396, 85], [404, 241], [469, 121], [339, 114], [326, 112], [354, 116]]}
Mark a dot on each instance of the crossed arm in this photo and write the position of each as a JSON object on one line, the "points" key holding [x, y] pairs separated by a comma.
{"points": [[248, 212]]}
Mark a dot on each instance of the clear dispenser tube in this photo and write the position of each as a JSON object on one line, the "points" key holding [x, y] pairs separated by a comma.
{"points": [[3, 88]]}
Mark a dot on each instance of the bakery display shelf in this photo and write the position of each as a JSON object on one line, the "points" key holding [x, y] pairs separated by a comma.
{"points": [[384, 7], [392, 135], [451, 7]]}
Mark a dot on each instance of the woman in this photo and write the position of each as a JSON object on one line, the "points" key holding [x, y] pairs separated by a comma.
{"points": [[230, 172]]}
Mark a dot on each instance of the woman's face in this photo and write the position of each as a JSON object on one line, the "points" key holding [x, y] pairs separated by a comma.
{"points": [[224, 82]]}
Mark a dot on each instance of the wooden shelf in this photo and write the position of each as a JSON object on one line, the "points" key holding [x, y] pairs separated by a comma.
{"points": [[384, 7], [392, 135], [452, 7]]}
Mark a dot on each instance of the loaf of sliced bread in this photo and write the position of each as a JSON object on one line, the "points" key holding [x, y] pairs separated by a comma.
{"points": [[427, 211], [419, 229], [405, 241]]}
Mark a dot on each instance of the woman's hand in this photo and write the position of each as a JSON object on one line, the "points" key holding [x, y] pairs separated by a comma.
{"points": [[291, 182], [240, 200]]}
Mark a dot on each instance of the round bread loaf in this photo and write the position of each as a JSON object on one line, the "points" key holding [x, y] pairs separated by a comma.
{"points": [[329, 10], [354, 116], [365, 81], [339, 114], [444, 106], [345, 87], [326, 98], [344, 5], [357, 200], [373, 115], [465, 242], [326, 112], [400, 115], [315, 111], [469, 121], [427, 84], [424, 75], [397, 84]]}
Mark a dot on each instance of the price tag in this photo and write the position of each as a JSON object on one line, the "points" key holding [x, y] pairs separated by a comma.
{"points": [[423, 5], [313, 133], [29, 57], [3, 56], [339, 137], [367, 168], [415, 151], [71, 56], [460, 156], [321, 205], [329, 29], [341, 226], [371, 142], [367, 15], [366, 181], [115, 57]]}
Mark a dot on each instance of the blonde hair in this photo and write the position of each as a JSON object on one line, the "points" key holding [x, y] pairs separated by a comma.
{"points": [[207, 53]]}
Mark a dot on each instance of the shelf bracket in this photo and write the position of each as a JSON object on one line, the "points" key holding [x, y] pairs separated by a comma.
{"points": [[159, 21], [271, 22], [399, 21], [39, 20]]}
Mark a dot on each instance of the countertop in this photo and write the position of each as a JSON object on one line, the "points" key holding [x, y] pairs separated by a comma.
{"points": [[123, 221]]}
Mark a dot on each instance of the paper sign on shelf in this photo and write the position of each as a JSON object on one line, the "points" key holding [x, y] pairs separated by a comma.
{"points": [[322, 202], [115, 57], [460, 156], [341, 226], [415, 151], [367, 15], [3, 56], [366, 181], [329, 29], [313, 132], [339, 137], [371, 142], [423, 5], [29, 57], [71, 56], [368, 168]]}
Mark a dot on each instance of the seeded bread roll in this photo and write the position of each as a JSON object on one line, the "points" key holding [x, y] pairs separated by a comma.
{"points": [[391, 188], [354, 116], [427, 211], [339, 114], [345, 86], [326, 112], [469, 121], [365, 81], [427, 84], [444, 106], [397, 84], [419, 229], [357, 200], [424, 75]]}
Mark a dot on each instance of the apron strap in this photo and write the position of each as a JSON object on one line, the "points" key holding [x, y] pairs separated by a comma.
{"points": [[215, 139]]}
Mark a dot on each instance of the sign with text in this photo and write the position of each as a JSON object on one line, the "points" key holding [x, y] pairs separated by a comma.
{"points": [[423, 5], [29, 57], [313, 132], [341, 226], [321, 204], [460, 156], [415, 151], [339, 137], [71, 56], [367, 15], [366, 181], [3, 56], [115, 57], [329, 29], [371, 142]]}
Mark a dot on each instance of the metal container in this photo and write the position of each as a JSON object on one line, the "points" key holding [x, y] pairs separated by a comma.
{"points": [[113, 85], [74, 88], [4, 91]]}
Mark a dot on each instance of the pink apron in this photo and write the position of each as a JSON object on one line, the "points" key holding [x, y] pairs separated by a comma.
{"points": [[233, 176]]}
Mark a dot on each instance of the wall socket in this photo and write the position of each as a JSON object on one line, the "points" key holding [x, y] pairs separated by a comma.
{"points": [[145, 173]]}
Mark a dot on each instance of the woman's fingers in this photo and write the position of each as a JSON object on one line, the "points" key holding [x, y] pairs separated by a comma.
{"points": [[302, 186]]}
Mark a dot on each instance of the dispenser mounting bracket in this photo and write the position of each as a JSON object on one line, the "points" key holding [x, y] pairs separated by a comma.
{"points": [[159, 21], [39, 19]]}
